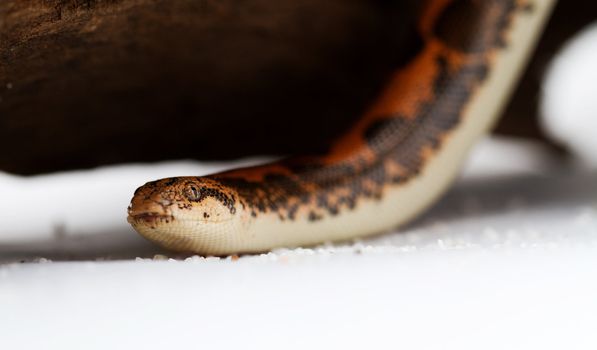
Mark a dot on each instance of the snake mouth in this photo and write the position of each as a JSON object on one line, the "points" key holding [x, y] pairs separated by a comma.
{"points": [[150, 218]]}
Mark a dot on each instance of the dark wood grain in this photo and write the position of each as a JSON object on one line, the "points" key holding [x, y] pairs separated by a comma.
{"points": [[87, 83]]}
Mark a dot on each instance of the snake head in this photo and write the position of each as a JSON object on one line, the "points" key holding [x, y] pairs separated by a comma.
{"points": [[184, 213]]}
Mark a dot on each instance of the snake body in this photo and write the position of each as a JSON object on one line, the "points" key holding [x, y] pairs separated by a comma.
{"points": [[392, 164]]}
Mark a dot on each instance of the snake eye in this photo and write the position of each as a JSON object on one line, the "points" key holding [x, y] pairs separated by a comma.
{"points": [[193, 193]]}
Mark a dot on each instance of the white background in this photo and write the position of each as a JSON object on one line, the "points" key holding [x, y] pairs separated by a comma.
{"points": [[506, 260]]}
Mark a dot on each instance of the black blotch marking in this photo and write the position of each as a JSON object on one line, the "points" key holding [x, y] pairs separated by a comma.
{"points": [[471, 25], [171, 181], [313, 216], [387, 132]]}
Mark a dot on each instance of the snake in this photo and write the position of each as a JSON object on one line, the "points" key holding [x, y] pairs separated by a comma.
{"points": [[394, 162]]}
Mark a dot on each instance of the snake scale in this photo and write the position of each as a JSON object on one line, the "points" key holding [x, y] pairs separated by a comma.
{"points": [[392, 163]]}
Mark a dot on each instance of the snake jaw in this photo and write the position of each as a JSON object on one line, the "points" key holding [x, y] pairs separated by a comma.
{"points": [[151, 219]]}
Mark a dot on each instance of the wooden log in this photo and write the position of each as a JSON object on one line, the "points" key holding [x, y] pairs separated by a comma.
{"points": [[87, 83]]}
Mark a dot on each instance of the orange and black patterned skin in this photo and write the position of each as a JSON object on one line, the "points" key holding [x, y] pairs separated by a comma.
{"points": [[421, 105]]}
